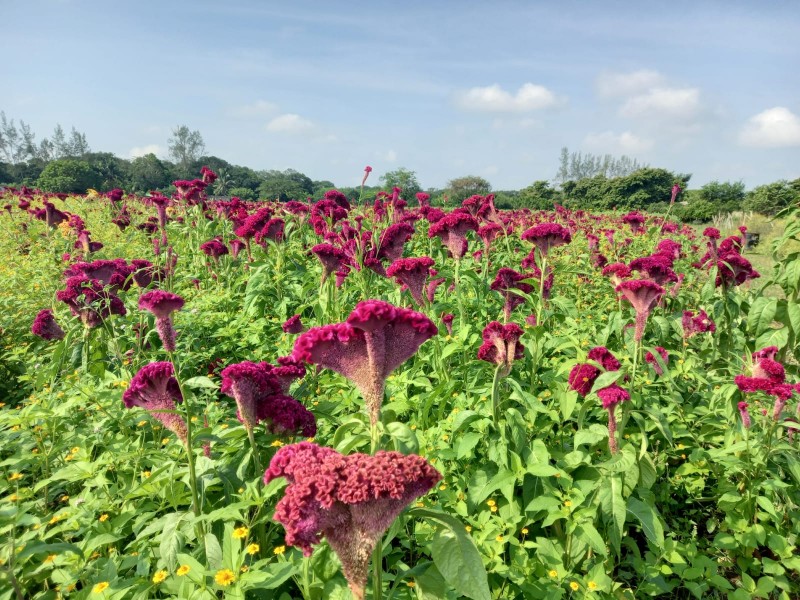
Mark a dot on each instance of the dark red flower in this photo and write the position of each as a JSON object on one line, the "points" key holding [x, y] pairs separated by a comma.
{"points": [[412, 273], [546, 236], [501, 345], [452, 230], [45, 326], [155, 389]]}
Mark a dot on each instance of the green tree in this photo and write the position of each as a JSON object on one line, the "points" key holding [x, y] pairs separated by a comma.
{"points": [[404, 179], [769, 199], [147, 173], [111, 171], [285, 185], [68, 175], [461, 188], [539, 195], [726, 196], [243, 193], [185, 146]]}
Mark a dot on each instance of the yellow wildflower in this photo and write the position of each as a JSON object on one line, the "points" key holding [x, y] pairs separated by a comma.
{"points": [[15, 476], [552, 573], [103, 518], [574, 585], [99, 588], [592, 585], [240, 533], [160, 576], [252, 549], [224, 577], [279, 550], [183, 570]]}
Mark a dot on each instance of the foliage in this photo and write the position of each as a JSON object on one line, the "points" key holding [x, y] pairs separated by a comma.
{"points": [[147, 173], [769, 199], [285, 185], [185, 145], [635, 191], [576, 165], [461, 188], [404, 179], [68, 175]]}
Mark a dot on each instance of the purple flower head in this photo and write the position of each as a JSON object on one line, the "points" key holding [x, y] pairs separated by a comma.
{"points": [[162, 304], [423, 198], [293, 325], [288, 371], [350, 500], [447, 319], [253, 224], [546, 236], [656, 267], [392, 241], [711, 233], [376, 339], [501, 345], [90, 300], [676, 189], [272, 230], [612, 395], [635, 221], [669, 248], [452, 230], [582, 378], [208, 176], [412, 273], [505, 283], [604, 357], [214, 248], [734, 269], [331, 257], [769, 352], [236, 247], [651, 359], [144, 273], [643, 295], [489, 233], [45, 326], [617, 272], [53, 216], [699, 323], [744, 414], [155, 389], [285, 415]]}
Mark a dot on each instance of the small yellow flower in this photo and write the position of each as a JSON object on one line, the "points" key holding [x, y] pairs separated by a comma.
{"points": [[145, 474], [103, 518], [244, 569], [99, 588], [411, 584], [160, 576], [420, 504], [75, 450], [524, 531], [183, 570], [142, 423], [15, 476], [276, 444], [499, 538], [468, 528], [224, 577], [443, 487], [278, 550], [552, 573], [567, 503], [50, 558], [574, 585], [240, 533], [592, 585], [252, 549], [164, 441], [491, 502], [493, 509], [54, 520], [64, 498]]}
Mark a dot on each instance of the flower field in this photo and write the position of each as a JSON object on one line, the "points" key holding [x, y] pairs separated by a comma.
{"points": [[334, 399]]}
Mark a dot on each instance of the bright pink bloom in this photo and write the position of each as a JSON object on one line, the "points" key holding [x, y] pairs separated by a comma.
{"points": [[331, 257], [546, 236], [603, 356], [744, 414], [651, 360], [155, 389], [582, 378], [505, 283], [90, 300], [452, 230], [501, 345], [612, 395], [447, 319], [376, 339], [350, 500], [393, 240], [45, 326], [162, 304], [643, 295], [412, 273], [617, 272], [699, 323], [214, 248], [293, 325]]}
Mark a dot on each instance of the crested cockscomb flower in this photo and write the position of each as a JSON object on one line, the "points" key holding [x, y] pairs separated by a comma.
{"points": [[767, 375], [144, 273], [155, 389], [643, 295], [45, 326], [90, 300], [207, 175], [635, 221], [611, 396], [669, 248], [288, 371], [617, 272], [501, 345], [656, 267], [583, 375], [489, 233], [676, 189], [546, 236], [214, 248], [367, 171], [272, 230], [376, 339], [162, 304], [507, 282], [393, 240], [603, 356], [447, 319], [349, 500], [331, 258], [293, 325], [769, 352], [651, 359], [413, 273], [423, 198], [452, 230], [744, 414], [711, 233], [696, 323]]}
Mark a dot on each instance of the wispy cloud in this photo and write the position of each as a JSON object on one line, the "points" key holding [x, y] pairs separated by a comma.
{"points": [[610, 84], [493, 98], [773, 128], [614, 143], [290, 123], [663, 102], [137, 151], [255, 109]]}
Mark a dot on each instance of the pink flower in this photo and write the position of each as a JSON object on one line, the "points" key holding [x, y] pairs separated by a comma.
{"points": [[331, 257], [501, 345], [452, 230], [155, 389], [506, 282], [612, 395], [293, 325], [350, 500], [214, 248], [546, 236], [376, 339], [45, 326], [656, 267], [162, 304], [744, 414], [699, 323], [643, 295], [582, 378], [392, 241], [603, 356], [617, 272], [447, 319], [635, 221], [412, 273], [651, 359], [90, 300]]}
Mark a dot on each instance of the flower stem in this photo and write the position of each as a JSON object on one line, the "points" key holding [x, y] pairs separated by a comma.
{"points": [[377, 571], [496, 395], [261, 531]]}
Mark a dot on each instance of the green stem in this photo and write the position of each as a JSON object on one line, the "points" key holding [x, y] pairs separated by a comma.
{"points": [[496, 395], [377, 571], [261, 530], [540, 308]]}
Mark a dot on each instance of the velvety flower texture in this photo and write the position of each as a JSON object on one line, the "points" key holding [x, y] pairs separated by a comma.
{"points": [[393, 240], [501, 345], [293, 325], [350, 500], [452, 230], [162, 304], [331, 258], [214, 248], [696, 323], [45, 326], [90, 300], [744, 414], [413, 273], [611, 396], [583, 375], [376, 339], [505, 283], [643, 295], [767, 375], [651, 359], [155, 389], [546, 236]]}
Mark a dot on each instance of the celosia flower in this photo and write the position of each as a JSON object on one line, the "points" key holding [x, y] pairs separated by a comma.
{"points": [[643, 295], [162, 304], [393, 240], [452, 230], [650, 359], [610, 397], [604, 357], [489, 233], [155, 389], [501, 345], [582, 378], [635, 220], [656, 267], [506, 282], [90, 300], [144, 273], [617, 272], [331, 258], [272, 230], [350, 500], [447, 319], [376, 339], [699, 323], [413, 273], [214, 249], [546, 236], [293, 325], [744, 414], [45, 326]]}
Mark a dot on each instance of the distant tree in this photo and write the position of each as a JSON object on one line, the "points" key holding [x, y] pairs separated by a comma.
{"points": [[58, 143], [223, 183], [243, 193], [697, 211], [285, 185], [635, 191], [771, 198], [726, 196], [68, 175], [77, 145], [185, 146], [245, 177], [461, 188], [539, 195], [147, 173], [320, 187], [575, 166], [404, 179], [111, 171]]}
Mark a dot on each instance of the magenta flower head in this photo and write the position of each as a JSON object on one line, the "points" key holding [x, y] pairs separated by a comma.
{"points": [[635, 221], [392, 241], [162, 304], [331, 258], [643, 295], [604, 357], [583, 375], [367, 171], [744, 414], [452, 230], [676, 189], [696, 323], [293, 325], [546, 236], [412, 273], [45, 326], [155, 389], [651, 359], [656, 267], [350, 500], [90, 300], [501, 345], [248, 383], [489, 233], [611, 396], [506, 283], [214, 249], [447, 319], [376, 339]]}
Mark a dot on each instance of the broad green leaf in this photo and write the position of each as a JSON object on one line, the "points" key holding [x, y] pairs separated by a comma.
{"points": [[457, 559], [649, 519], [761, 315], [613, 508], [404, 439], [172, 540]]}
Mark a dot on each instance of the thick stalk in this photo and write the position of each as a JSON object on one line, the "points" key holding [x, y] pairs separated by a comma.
{"points": [[261, 530], [540, 308], [496, 395], [377, 571]]}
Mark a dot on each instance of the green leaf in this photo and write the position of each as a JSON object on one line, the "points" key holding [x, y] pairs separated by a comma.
{"points": [[404, 439], [613, 508], [606, 379], [213, 552], [761, 314], [481, 488], [172, 540], [587, 533], [773, 337], [649, 519], [200, 382], [593, 434], [793, 312]]}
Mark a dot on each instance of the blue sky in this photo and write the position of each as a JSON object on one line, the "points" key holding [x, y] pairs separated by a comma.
{"points": [[442, 88]]}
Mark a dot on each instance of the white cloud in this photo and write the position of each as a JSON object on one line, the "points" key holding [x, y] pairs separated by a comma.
{"points": [[390, 156], [493, 98], [627, 84], [773, 128], [149, 149], [290, 123], [612, 143], [255, 109], [663, 102], [491, 170]]}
